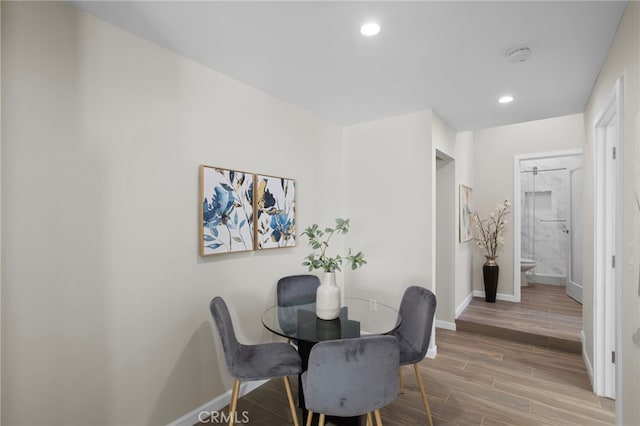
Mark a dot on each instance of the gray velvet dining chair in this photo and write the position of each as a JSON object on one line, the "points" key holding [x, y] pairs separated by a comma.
{"points": [[292, 291], [351, 377], [297, 290], [417, 310], [253, 362]]}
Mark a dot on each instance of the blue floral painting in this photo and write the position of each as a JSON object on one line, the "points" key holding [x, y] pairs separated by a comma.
{"points": [[275, 212], [226, 211]]}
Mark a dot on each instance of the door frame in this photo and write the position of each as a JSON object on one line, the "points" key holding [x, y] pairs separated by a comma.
{"points": [[517, 252], [603, 370], [570, 282]]}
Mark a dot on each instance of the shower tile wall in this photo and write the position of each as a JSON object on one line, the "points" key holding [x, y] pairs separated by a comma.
{"points": [[550, 242]]}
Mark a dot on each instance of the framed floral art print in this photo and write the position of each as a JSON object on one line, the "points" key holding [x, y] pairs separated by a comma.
{"points": [[226, 210], [275, 212]]}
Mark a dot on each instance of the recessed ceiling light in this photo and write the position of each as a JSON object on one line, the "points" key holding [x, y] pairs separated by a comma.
{"points": [[370, 29], [505, 99]]}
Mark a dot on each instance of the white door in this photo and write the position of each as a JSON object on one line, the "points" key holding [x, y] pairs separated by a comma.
{"points": [[574, 230]]}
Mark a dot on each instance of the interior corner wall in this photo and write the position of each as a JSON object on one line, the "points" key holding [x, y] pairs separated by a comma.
{"points": [[389, 193], [105, 316], [460, 147], [442, 135], [443, 139], [622, 60], [463, 153]]}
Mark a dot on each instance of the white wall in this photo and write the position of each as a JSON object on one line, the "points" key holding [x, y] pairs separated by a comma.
{"points": [[105, 300], [622, 60], [390, 178], [388, 184], [464, 155], [494, 149]]}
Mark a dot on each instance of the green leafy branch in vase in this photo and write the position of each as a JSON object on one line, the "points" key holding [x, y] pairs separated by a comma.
{"points": [[319, 240]]}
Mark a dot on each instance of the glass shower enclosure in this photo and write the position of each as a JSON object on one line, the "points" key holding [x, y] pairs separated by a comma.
{"points": [[548, 197]]}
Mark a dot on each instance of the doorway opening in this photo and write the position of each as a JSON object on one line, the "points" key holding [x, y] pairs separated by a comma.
{"points": [[445, 240], [543, 314], [548, 207]]}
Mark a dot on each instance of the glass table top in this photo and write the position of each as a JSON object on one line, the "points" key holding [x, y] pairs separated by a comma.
{"points": [[357, 317]]}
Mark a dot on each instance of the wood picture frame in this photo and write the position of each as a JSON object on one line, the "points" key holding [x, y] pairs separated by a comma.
{"points": [[274, 212], [226, 211]]}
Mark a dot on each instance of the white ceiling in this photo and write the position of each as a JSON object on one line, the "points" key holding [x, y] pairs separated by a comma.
{"points": [[449, 56]]}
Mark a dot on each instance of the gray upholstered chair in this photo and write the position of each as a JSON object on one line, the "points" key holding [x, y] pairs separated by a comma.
{"points": [[351, 377], [253, 362], [297, 290], [293, 291], [417, 309]]}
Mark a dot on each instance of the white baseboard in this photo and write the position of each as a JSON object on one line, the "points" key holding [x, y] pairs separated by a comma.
{"points": [[446, 325], [215, 404], [548, 279], [432, 352], [587, 361], [460, 309], [499, 296]]}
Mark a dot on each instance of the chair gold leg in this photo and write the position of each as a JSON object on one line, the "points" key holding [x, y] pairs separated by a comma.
{"points": [[309, 418], [424, 394], [369, 420], [401, 381], [321, 422], [234, 402], [378, 418], [292, 406]]}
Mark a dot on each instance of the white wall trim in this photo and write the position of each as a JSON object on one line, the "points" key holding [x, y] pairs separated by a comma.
{"points": [[587, 361], [516, 228], [0, 219], [460, 309], [446, 325], [612, 115], [215, 404], [432, 352], [499, 296]]}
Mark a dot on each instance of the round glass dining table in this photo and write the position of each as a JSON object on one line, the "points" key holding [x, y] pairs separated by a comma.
{"points": [[358, 317]]}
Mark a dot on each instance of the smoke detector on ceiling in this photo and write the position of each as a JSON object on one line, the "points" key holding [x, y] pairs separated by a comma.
{"points": [[519, 54]]}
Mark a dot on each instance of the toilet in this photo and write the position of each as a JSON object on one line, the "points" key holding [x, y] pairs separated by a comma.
{"points": [[525, 265]]}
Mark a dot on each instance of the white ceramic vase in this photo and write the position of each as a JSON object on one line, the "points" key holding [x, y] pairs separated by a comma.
{"points": [[328, 298]]}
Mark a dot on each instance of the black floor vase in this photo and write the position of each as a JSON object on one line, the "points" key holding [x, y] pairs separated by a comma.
{"points": [[490, 274]]}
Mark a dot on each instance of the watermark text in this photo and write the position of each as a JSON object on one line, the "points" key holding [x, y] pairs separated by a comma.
{"points": [[220, 417]]}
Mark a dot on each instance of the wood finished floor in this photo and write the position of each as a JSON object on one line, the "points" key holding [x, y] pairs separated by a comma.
{"points": [[545, 317], [475, 380]]}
